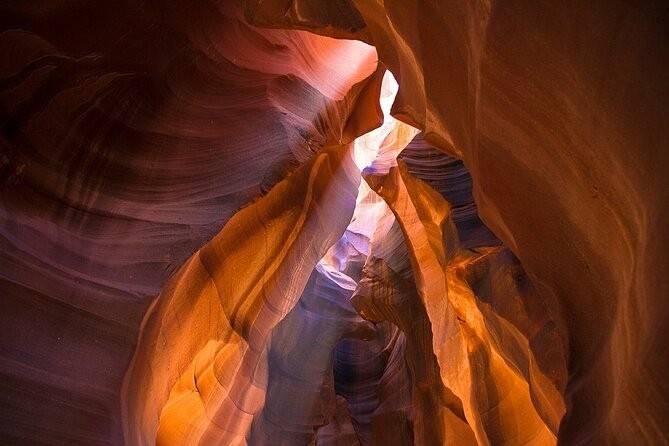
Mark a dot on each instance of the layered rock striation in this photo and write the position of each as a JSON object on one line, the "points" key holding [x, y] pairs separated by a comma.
{"points": [[223, 156]]}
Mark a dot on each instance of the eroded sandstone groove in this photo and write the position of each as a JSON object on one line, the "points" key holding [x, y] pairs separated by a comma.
{"points": [[144, 147]]}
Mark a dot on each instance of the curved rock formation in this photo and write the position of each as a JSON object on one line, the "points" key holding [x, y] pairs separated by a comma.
{"points": [[200, 372], [121, 155], [557, 112], [221, 144]]}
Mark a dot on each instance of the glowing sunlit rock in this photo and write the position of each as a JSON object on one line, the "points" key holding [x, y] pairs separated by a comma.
{"points": [[141, 142]]}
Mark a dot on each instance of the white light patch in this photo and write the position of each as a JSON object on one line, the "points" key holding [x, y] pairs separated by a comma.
{"points": [[374, 153]]}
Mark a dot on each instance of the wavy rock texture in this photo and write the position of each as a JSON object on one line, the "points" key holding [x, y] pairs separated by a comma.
{"points": [[122, 153], [334, 310], [481, 371], [241, 348], [557, 111], [201, 372]]}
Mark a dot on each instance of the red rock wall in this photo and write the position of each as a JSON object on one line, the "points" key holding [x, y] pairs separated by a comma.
{"points": [[132, 132], [557, 111]]}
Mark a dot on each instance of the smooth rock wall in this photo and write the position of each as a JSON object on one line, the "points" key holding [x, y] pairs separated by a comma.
{"points": [[131, 132], [557, 110]]}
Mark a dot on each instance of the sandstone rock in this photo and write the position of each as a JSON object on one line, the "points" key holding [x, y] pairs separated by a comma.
{"points": [[208, 153]]}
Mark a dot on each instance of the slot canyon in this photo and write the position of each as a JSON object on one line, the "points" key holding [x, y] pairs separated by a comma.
{"points": [[334, 222]]}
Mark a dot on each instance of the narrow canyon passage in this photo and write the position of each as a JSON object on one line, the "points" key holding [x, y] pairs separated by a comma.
{"points": [[334, 222], [359, 265]]}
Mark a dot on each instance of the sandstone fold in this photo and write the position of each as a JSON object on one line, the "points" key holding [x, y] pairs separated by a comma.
{"points": [[130, 133], [504, 283], [488, 377], [558, 113], [200, 370]]}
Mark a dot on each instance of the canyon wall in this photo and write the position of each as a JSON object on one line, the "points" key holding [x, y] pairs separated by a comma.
{"points": [[557, 110], [133, 132], [130, 134]]}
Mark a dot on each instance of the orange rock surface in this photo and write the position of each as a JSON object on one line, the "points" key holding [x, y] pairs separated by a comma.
{"points": [[219, 223]]}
